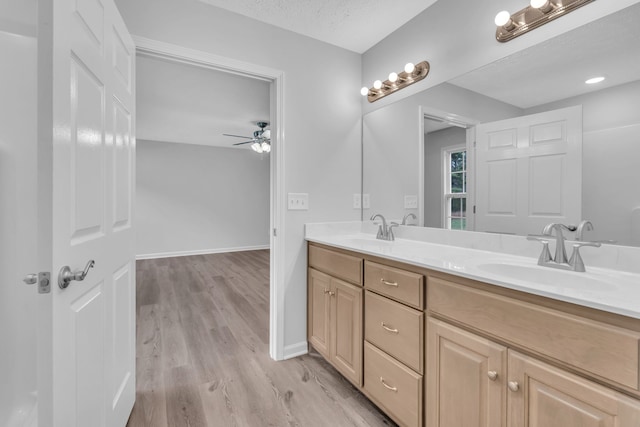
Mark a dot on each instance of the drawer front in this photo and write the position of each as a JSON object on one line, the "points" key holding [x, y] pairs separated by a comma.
{"points": [[342, 266], [394, 328], [395, 283], [601, 349], [393, 386]]}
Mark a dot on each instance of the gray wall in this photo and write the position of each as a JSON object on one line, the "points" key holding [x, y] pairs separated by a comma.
{"points": [[198, 199]]}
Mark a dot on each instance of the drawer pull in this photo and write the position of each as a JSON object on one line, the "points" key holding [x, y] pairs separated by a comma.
{"points": [[392, 330], [514, 386], [493, 375], [386, 282], [388, 386]]}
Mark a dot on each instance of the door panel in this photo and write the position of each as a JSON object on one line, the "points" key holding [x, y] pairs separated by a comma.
{"points": [[548, 396], [529, 172], [460, 391], [346, 328], [93, 114]]}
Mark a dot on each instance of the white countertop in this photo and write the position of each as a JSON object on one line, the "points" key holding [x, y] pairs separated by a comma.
{"points": [[600, 288]]}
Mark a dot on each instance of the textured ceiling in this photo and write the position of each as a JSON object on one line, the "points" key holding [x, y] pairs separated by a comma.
{"points": [[355, 25], [558, 68], [194, 105]]}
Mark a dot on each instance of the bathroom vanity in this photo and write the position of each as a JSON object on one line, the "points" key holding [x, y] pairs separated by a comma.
{"points": [[443, 336]]}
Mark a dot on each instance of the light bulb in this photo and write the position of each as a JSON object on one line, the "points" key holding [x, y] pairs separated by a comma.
{"points": [[538, 3], [265, 147], [364, 91], [393, 77], [377, 84], [409, 67], [594, 80], [502, 18]]}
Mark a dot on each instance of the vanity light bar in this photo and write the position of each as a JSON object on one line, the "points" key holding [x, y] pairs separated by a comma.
{"points": [[538, 13], [410, 75]]}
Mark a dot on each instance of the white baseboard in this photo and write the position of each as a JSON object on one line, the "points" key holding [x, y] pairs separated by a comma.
{"points": [[295, 350], [200, 252]]}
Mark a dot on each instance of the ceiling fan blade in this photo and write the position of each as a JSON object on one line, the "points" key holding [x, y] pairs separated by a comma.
{"points": [[237, 136], [246, 142]]}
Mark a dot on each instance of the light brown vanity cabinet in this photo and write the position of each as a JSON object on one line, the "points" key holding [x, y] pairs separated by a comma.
{"points": [[474, 380], [334, 310]]}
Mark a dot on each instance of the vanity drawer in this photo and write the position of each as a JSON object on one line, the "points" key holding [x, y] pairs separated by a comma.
{"points": [[601, 349], [336, 264], [401, 285], [393, 386], [394, 328]]}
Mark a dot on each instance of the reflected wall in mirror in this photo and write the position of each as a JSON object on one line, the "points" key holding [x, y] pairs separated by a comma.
{"points": [[406, 154]]}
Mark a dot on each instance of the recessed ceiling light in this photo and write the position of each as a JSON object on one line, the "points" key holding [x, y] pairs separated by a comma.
{"points": [[594, 80]]}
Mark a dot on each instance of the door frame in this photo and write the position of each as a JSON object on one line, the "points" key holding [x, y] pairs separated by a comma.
{"points": [[184, 55], [455, 120]]}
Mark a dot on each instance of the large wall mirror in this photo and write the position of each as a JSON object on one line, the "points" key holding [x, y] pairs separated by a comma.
{"points": [[521, 142]]}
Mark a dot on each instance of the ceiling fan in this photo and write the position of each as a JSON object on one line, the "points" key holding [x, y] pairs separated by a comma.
{"points": [[261, 141]]}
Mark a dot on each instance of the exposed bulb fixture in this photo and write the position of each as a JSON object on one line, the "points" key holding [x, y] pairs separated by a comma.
{"points": [[396, 81], [536, 14], [594, 80]]}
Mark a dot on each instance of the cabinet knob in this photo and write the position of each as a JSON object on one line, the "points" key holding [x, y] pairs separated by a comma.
{"points": [[493, 375], [326, 291], [331, 293], [513, 385]]}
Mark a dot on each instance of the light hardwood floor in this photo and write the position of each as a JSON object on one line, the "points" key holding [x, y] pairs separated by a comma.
{"points": [[203, 353]]}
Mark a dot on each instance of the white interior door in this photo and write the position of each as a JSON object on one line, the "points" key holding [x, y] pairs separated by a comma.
{"points": [[529, 172], [93, 320]]}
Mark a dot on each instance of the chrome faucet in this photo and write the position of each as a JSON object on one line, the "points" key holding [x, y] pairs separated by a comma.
{"points": [[575, 263], [407, 216], [584, 225], [385, 232]]}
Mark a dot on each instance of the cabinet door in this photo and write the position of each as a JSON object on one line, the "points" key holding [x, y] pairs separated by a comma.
{"points": [[544, 396], [466, 384], [318, 324], [346, 329]]}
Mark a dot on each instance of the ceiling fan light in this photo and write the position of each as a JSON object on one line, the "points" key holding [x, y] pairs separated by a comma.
{"points": [[266, 134], [266, 147], [256, 147]]}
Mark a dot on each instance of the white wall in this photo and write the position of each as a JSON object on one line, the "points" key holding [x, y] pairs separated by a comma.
{"points": [[610, 161], [392, 138], [196, 199], [322, 111], [457, 36], [434, 143], [18, 315]]}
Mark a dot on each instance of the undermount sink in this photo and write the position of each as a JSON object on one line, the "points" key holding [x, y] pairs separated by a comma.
{"points": [[548, 276]]}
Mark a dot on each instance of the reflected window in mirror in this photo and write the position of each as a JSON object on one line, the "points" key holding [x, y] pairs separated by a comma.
{"points": [[455, 191]]}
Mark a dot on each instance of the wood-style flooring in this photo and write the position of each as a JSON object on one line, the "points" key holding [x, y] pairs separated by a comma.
{"points": [[203, 353]]}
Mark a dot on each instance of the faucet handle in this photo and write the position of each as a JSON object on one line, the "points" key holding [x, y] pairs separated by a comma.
{"points": [[390, 230], [545, 255], [575, 262]]}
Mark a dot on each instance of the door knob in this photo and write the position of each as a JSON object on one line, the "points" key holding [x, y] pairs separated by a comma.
{"points": [[66, 275]]}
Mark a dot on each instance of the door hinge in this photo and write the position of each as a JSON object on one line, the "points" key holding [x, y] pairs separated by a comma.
{"points": [[474, 144], [275, 232], [474, 208]]}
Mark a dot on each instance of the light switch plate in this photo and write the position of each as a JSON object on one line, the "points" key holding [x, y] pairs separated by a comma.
{"points": [[357, 200], [366, 201], [298, 201], [411, 202]]}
